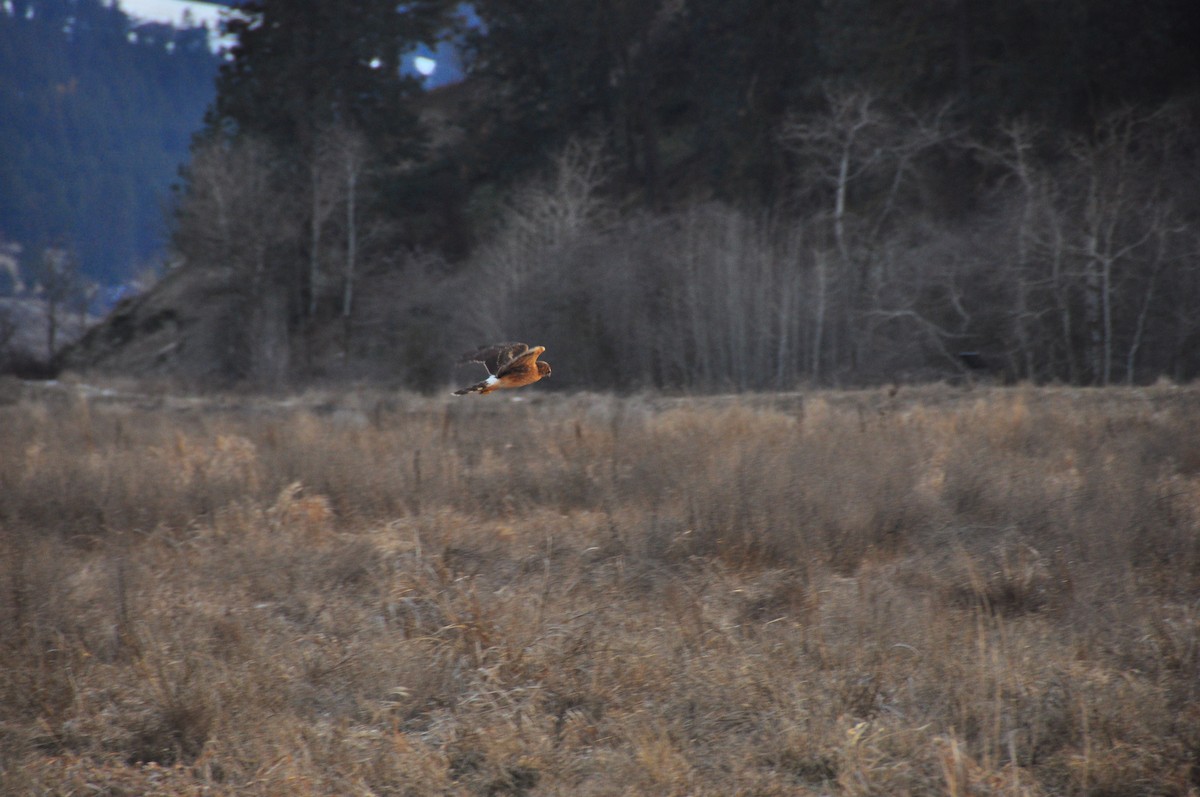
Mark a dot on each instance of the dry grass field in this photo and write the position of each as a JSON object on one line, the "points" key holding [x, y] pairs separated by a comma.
{"points": [[942, 592]]}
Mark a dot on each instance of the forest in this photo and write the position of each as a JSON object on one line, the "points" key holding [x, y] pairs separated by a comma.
{"points": [[689, 195], [98, 114]]}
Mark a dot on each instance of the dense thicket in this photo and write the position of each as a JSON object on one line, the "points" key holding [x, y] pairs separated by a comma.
{"points": [[96, 119], [692, 195], [712, 81]]}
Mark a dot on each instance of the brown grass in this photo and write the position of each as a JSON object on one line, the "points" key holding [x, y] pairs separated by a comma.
{"points": [[988, 592]]}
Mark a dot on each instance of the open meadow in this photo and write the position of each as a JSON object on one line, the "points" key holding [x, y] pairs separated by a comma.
{"points": [[946, 591]]}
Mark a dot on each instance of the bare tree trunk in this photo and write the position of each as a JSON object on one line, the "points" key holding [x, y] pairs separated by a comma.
{"points": [[51, 326], [839, 205], [1106, 296], [314, 239], [351, 251], [783, 335], [789, 332], [730, 258], [1109, 164], [1160, 259], [270, 358], [267, 328], [820, 266], [1024, 235], [1092, 314], [698, 318], [1063, 303], [59, 281]]}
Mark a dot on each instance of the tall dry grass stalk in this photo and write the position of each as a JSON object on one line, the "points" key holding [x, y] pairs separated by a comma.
{"points": [[940, 592]]}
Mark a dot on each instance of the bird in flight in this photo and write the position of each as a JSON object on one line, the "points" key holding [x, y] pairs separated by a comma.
{"points": [[508, 364]]}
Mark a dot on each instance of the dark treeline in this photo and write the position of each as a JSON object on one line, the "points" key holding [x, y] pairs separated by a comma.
{"points": [[708, 196], [96, 115]]}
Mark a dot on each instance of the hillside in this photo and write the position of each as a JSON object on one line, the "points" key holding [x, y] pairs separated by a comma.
{"points": [[98, 118], [177, 329]]}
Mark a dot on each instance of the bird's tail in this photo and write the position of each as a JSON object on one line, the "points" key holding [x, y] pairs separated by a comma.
{"points": [[486, 386]]}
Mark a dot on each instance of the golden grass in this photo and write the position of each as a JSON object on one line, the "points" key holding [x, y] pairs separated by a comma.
{"points": [[950, 592]]}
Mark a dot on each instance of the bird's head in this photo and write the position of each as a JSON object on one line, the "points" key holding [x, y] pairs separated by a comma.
{"points": [[543, 369]]}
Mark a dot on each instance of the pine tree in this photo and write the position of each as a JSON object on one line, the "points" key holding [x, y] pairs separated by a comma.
{"points": [[300, 67]]}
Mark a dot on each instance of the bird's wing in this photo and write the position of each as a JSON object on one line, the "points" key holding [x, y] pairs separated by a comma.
{"points": [[496, 356], [521, 361]]}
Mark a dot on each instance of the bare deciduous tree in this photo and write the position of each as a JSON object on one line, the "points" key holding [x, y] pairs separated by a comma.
{"points": [[58, 282], [542, 220], [237, 218], [858, 174], [1122, 225]]}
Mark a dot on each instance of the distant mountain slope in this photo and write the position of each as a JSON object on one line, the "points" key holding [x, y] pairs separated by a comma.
{"points": [[98, 116]]}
